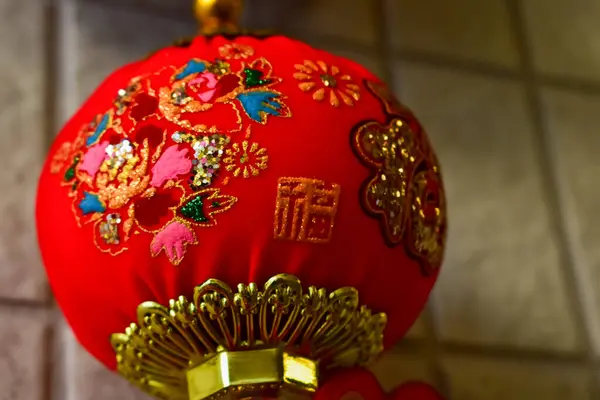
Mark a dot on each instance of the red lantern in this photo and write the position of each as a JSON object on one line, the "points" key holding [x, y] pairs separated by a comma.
{"points": [[240, 198]]}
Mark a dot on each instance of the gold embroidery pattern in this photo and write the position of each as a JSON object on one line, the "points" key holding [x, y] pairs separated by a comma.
{"points": [[305, 210], [391, 152], [405, 191], [234, 51], [332, 328], [155, 161], [60, 158], [326, 81], [246, 159]]}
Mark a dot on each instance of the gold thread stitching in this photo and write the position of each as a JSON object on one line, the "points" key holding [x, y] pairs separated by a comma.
{"points": [[312, 204]]}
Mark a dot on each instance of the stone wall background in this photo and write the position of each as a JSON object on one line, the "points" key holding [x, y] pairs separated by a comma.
{"points": [[510, 93]]}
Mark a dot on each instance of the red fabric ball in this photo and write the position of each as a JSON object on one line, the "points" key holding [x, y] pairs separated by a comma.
{"points": [[238, 159], [362, 384]]}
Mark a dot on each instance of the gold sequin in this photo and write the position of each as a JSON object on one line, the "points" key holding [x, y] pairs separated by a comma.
{"points": [[305, 210], [327, 82]]}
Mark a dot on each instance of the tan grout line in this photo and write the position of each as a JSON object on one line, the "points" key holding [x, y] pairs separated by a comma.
{"points": [[384, 46], [493, 352], [50, 108], [573, 271], [48, 362], [25, 304]]}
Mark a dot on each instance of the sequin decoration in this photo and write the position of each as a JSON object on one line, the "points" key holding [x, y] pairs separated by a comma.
{"points": [[246, 159], [405, 191], [117, 156], [327, 82], [125, 96], [235, 51], [428, 219], [305, 210], [201, 208], [391, 152], [154, 163], [208, 151], [109, 229]]}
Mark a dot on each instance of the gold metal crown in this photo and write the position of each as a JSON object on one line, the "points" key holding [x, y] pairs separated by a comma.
{"points": [[269, 343]]}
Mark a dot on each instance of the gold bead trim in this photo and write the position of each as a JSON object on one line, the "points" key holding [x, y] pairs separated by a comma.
{"points": [[331, 329]]}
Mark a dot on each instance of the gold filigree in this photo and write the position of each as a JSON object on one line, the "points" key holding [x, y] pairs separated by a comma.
{"points": [[327, 81], [305, 210], [167, 343]]}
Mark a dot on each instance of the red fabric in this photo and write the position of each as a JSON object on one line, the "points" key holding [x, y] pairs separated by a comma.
{"points": [[99, 290], [361, 384]]}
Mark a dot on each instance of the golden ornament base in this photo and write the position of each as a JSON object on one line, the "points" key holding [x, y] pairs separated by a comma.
{"points": [[281, 333], [271, 372]]}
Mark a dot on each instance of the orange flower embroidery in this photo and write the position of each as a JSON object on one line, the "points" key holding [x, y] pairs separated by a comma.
{"points": [[321, 78], [235, 51]]}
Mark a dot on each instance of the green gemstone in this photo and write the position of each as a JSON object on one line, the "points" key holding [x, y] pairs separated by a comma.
{"points": [[194, 209], [254, 78], [70, 173]]}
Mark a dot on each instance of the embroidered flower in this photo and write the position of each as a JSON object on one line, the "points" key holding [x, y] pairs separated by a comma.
{"points": [[145, 105], [247, 159], [327, 81], [235, 51], [173, 239], [94, 158], [170, 165], [203, 87]]}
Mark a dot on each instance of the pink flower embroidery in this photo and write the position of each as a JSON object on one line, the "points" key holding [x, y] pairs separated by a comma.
{"points": [[173, 239], [93, 159], [170, 165], [204, 86]]}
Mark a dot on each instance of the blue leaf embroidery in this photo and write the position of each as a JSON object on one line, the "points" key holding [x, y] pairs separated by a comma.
{"points": [[100, 129], [191, 67], [91, 204], [258, 103]]}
